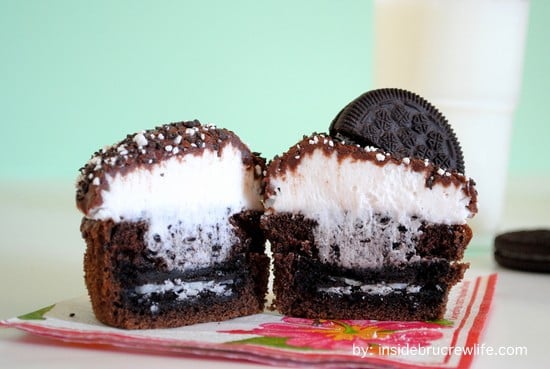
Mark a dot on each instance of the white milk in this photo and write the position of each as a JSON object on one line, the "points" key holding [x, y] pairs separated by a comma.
{"points": [[466, 57]]}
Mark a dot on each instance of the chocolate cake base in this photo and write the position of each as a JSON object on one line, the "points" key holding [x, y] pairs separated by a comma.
{"points": [[417, 289], [119, 268], [301, 290]]}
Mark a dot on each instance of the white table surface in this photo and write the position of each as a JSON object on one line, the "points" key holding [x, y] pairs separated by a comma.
{"points": [[41, 263]]}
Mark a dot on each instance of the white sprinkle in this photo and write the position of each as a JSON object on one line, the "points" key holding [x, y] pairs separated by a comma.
{"points": [[152, 136], [95, 160], [202, 136], [168, 148], [447, 174], [406, 161], [177, 140], [297, 157], [124, 152], [190, 131], [97, 167], [426, 162], [258, 169], [440, 171], [140, 140], [90, 176], [203, 145], [160, 136], [311, 142], [175, 150], [193, 145], [96, 181], [121, 147], [150, 161], [380, 157], [331, 143]]}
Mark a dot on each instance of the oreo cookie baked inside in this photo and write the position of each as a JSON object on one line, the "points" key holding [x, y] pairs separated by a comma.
{"points": [[171, 223], [360, 233]]}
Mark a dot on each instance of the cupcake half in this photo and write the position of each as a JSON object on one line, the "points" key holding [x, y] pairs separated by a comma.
{"points": [[171, 223], [360, 232]]}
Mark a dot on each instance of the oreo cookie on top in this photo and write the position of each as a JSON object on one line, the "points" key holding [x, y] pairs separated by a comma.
{"points": [[402, 123]]}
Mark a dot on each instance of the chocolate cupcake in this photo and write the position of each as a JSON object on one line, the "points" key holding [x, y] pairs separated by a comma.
{"points": [[171, 223], [359, 232]]}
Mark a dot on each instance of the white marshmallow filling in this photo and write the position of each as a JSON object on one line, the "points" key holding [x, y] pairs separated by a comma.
{"points": [[367, 214], [187, 202]]}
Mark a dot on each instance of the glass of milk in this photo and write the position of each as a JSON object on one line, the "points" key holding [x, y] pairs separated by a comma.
{"points": [[466, 57]]}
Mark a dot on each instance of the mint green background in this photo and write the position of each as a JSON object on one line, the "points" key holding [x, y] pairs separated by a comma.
{"points": [[77, 75]]}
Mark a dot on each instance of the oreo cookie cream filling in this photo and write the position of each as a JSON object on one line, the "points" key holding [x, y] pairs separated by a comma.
{"points": [[171, 222]]}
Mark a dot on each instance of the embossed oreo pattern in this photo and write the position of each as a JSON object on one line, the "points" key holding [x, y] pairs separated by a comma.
{"points": [[401, 123]]}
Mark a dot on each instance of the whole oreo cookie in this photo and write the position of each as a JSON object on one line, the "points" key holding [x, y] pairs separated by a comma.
{"points": [[402, 123], [524, 250]]}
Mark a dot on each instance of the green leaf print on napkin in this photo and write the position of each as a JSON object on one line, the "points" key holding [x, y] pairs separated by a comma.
{"points": [[279, 342], [36, 315]]}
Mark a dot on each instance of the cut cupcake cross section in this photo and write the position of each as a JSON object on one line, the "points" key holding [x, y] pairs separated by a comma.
{"points": [[171, 224], [358, 232]]}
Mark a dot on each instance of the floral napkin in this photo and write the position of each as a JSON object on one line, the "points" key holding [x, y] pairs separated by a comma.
{"points": [[272, 339]]}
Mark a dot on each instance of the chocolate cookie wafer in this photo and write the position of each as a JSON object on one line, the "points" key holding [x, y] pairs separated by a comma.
{"points": [[402, 123], [524, 250]]}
